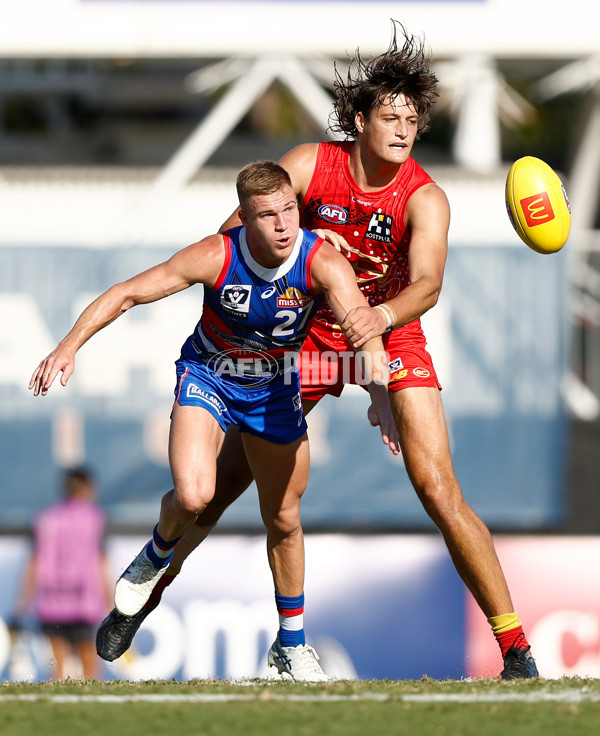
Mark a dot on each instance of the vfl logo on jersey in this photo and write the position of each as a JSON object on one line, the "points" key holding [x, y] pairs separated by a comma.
{"points": [[235, 300], [537, 209], [395, 365], [333, 213], [291, 297], [396, 368], [380, 227]]}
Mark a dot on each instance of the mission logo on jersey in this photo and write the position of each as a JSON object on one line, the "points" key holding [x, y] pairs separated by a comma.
{"points": [[291, 297], [235, 300]]}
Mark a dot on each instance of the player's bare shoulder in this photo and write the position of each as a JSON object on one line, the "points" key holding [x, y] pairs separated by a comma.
{"points": [[428, 203], [201, 262], [300, 164]]}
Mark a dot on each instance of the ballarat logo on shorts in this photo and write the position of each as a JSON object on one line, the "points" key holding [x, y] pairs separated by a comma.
{"points": [[333, 213], [195, 392], [380, 227], [421, 372], [235, 300]]}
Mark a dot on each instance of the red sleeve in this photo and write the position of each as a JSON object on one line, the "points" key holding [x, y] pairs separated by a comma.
{"points": [[314, 178], [317, 244], [227, 243]]}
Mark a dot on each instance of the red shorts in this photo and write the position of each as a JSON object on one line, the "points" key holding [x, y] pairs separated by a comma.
{"points": [[327, 363]]}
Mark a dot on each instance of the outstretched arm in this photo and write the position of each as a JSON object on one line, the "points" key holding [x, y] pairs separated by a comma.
{"points": [[333, 275], [428, 216], [197, 263]]}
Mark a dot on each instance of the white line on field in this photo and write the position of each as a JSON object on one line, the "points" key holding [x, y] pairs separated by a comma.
{"points": [[539, 696]]}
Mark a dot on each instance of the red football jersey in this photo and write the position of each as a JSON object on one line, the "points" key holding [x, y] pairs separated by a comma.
{"points": [[372, 223]]}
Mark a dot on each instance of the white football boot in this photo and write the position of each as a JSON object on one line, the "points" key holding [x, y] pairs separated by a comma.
{"points": [[300, 662], [135, 585]]}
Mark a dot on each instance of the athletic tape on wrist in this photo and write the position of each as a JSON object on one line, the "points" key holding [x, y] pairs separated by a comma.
{"points": [[389, 315]]}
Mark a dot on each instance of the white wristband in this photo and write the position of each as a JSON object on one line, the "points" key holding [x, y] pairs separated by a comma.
{"points": [[389, 315]]}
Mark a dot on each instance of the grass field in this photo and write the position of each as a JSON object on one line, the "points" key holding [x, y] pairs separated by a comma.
{"points": [[263, 708]]}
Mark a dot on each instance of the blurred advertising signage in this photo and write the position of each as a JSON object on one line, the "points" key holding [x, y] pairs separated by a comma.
{"points": [[382, 606], [219, 618], [552, 584], [377, 607]]}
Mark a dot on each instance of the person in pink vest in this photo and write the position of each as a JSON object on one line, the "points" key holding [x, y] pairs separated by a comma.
{"points": [[66, 581]]}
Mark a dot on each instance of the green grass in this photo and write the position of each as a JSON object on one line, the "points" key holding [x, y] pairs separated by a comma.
{"points": [[347, 708]]}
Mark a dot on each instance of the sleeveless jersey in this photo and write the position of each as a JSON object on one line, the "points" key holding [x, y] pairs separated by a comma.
{"points": [[372, 223], [255, 319]]}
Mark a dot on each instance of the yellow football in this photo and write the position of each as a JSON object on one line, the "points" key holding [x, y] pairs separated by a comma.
{"points": [[537, 205]]}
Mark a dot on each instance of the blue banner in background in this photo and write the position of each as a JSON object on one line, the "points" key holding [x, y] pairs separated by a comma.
{"points": [[497, 340]]}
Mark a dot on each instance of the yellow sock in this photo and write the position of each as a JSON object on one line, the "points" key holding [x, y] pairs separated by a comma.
{"points": [[504, 622]]}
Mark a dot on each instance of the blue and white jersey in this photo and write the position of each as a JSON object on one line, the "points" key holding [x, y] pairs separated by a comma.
{"points": [[255, 319]]}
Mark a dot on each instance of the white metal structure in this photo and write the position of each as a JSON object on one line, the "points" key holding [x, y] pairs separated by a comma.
{"points": [[261, 41], [294, 41]]}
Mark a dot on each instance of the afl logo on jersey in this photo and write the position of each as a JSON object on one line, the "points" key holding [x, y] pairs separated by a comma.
{"points": [[333, 213]]}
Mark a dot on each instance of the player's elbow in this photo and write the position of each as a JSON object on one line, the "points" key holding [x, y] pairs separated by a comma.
{"points": [[126, 305], [435, 295], [124, 298], [433, 289]]}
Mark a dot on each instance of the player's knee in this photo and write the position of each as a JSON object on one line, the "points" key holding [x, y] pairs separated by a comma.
{"points": [[282, 522], [441, 498], [193, 499]]}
